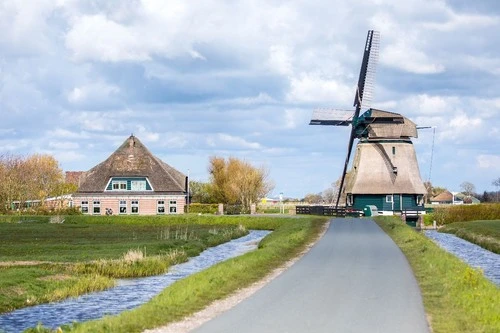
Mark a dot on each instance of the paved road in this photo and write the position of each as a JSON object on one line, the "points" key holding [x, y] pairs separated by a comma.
{"points": [[355, 279]]}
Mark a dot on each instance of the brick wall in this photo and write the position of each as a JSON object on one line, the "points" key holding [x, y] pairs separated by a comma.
{"points": [[146, 205]]}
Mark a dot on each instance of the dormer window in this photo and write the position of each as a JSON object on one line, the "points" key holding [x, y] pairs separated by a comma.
{"points": [[119, 185], [134, 184]]}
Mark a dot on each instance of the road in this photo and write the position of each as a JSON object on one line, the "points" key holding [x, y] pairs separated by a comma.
{"points": [[355, 279]]}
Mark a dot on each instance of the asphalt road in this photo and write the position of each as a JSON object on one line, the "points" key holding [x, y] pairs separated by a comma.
{"points": [[355, 279]]}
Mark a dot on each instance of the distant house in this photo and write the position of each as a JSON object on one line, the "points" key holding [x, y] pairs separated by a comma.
{"points": [[131, 181], [466, 199], [453, 198], [443, 198]]}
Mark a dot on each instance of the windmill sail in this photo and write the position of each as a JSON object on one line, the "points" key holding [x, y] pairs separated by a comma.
{"points": [[332, 117], [366, 80]]}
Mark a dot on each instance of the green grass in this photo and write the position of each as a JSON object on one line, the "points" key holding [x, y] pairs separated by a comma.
{"points": [[192, 294], [483, 233], [456, 297], [23, 286], [77, 257]]}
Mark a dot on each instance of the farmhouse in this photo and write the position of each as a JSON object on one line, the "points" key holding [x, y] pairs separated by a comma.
{"points": [[132, 181]]}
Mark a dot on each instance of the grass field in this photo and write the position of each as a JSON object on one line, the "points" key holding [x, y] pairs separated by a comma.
{"points": [[456, 297], [42, 262], [291, 235], [483, 233]]}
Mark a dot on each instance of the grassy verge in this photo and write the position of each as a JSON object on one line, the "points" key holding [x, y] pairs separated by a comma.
{"points": [[456, 297], [483, 233], [192, 294]]}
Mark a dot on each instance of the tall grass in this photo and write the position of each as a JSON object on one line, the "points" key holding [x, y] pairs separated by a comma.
{"points": [[133, 264], [464, 213], [457, 298]]}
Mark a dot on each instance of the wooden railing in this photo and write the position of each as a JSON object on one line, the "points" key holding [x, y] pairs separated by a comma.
{"points": [[321, 210]]}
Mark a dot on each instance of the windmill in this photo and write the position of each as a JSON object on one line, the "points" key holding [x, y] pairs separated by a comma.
{"points": [[385, 170]]}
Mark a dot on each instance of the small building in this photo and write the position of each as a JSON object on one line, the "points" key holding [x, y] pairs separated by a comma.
{"points": [[453, 198], [132, 181], [443, 198]]}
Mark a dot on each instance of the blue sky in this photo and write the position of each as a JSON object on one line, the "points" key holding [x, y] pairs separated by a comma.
{"points": [[193, 79]]}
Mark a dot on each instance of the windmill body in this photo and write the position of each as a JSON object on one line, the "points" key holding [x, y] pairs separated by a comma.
{"points": [[384, 171]]}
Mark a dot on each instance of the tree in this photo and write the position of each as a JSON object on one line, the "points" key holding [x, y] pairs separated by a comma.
{"points": [[28, 178], [234, 181], [200, 192], [496, 183], [468, 188], [313, 198]]}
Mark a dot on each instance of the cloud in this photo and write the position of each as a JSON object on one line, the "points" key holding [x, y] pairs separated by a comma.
{"points": [[78, 77], [489, 162], [93, 92], [223, 141], [310, 87]]}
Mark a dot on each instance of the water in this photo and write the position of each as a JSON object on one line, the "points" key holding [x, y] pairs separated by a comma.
{"points": [[127, 295], [470, 253]]}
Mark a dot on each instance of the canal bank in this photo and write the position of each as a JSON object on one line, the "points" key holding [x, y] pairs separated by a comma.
{"points": [[457, 298]]}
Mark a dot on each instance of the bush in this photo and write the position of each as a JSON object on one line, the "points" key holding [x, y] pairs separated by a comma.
{"points": [[464, 213], [199, 208], [233, 210]]}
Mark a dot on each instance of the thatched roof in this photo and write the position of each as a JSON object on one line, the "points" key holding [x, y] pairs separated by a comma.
{"points": [[133, 159], [385, 124], [376, 170], [445, 196]]}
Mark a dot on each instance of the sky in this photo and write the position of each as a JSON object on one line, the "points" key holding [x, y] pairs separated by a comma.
{"points": [[194, 79]]}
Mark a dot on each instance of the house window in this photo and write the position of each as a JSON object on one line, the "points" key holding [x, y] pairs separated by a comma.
{"points": [[420, 200], [96, 206], [134, 206], [172, 207], [85, 207], [119, 185], [349, 199], [393, 150], [388, 198], [123, 207], [138, 185], [160, 206]]}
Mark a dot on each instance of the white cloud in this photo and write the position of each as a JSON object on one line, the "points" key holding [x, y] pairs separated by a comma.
{"points": [[309, 87], [488, 162], [61, 145], [226, 141], [97, 91], [280, 59]]}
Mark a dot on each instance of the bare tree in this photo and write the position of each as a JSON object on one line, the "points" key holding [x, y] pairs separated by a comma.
{"points": [[468, 188], [496, 183]]}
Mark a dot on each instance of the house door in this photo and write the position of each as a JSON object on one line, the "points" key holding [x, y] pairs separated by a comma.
{"points": [[397, 202]]}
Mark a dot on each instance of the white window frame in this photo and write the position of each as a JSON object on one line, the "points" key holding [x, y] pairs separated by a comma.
{"points": [[389, 198], [121, 185], [84, 207], [134, 204], [122, 204], [96, 204], [138, 185], [160, 204], [172, 206]]}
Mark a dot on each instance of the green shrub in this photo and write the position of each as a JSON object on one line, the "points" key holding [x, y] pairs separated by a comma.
{"points": [[464, 213], [199, 208]]}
